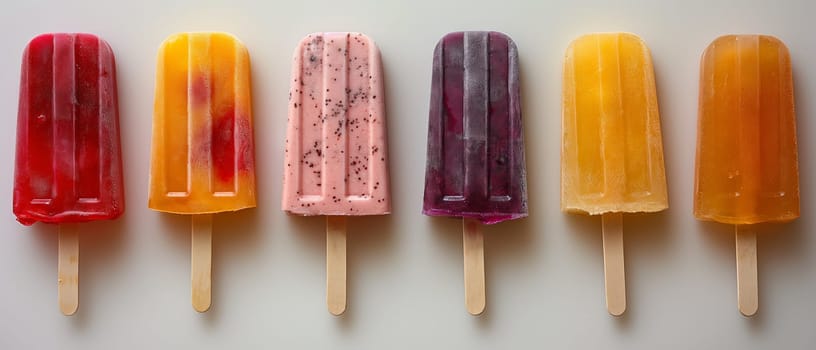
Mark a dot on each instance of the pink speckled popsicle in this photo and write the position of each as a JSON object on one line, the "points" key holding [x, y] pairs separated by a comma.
{"points": [[336, 162]]}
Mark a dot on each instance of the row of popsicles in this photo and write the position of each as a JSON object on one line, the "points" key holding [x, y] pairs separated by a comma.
{"points": [[69, 167]]}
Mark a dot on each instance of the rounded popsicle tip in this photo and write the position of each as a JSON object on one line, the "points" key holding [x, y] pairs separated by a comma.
{"points": [[69, 309], [732, 40], [313, 41], [201, 306], [337, 309], [184, 36], [748, 310], [319, 37], [39, 40], [620, 36], [106, 48], [726, 38], [476, 308], [180, 41], [459, 36], [51, 36], [48, 38], [173, 38], [616, 310]]}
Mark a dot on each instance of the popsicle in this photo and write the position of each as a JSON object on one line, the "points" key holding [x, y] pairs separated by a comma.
{"points": [[612, 152], [336, 161], [68, 167], [475, 167], [203, 153], [747, 167]]}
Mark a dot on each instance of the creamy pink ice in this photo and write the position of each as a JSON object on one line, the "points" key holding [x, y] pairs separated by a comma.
{"points": [[336, 161]]}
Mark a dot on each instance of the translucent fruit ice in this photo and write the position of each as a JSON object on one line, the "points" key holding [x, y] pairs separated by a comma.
{"points": [[69, 165], [203, 153], [475, 165], [336, 160], [612, 152], [747, 164]]}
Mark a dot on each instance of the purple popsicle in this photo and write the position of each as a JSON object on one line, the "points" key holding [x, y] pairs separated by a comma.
{"points": [[475, 167]]}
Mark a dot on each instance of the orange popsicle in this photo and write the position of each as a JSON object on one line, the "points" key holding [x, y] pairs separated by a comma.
{"points": [[747, 167], [203, 154], [612, 155], [203, 159], [746, 145]]}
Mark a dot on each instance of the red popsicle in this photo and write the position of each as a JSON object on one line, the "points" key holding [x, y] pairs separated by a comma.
{"points": [[68, 167]]}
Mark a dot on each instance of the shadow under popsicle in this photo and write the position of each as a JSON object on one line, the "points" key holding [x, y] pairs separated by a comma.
{"points": [[100, 244], [507, 243], [370, 240], [234, 234], [775, 242], [647, 237]]}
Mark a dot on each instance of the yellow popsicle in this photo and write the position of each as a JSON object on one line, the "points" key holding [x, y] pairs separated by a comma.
{"points": [[612, 151]]}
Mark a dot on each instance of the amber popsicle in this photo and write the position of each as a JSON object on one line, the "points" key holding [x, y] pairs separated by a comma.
{"points": [[747, 167]]}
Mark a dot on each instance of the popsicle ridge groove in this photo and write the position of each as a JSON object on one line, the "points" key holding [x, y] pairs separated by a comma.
{"points": [[453, 165], [625, 190], [652, 118], [638, 90], [517, 165], [223, 99], [475, 108], [110, 166], [93, 195], [369, 132], [176, 179], [200, 129], [64, 112], [605, 127], [236, 91], [499, 128], [760, 184], [346, 117], [335, 108], [86, 121], [40, 97]]}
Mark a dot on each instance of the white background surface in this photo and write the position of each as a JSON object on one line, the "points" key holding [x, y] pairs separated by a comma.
{"points": [[544, 273]]}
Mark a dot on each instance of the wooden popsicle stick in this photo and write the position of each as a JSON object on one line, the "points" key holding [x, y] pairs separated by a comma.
{"points": [[336, 264], [202, 262], [68, 268], [473, 244], [747, 286], [614, 272]]}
